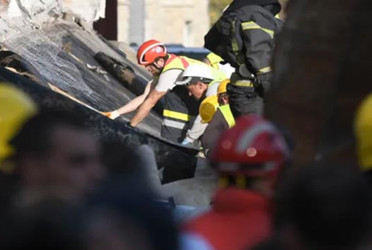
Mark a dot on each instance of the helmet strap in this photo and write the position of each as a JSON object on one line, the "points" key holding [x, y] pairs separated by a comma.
{"points": [[156, 66], [156, 60]]}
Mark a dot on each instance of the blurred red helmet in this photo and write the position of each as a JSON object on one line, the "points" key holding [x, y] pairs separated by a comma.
{"points": [[149, 51], [253, 147]]}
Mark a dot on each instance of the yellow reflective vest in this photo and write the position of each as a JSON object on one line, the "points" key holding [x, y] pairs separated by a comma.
{"points": [[227, 114]]}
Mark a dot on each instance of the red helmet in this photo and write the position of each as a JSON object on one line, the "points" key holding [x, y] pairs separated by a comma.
{"points": [[149, 51], [253, 147]]}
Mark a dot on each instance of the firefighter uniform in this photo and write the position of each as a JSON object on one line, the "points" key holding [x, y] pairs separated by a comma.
{"points": [[243, 37]]}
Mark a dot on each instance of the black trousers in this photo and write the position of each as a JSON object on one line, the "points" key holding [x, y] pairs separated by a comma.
{"points": [[244, 101]]}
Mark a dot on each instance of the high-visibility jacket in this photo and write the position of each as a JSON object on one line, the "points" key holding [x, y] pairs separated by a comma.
{"points": [[178, 62], [180, 109], [218, 76], [226, 112]]}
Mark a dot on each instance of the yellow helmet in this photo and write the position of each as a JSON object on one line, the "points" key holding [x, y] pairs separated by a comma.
{"points": [[15, 108], [363, 133], [208, 108], [222, 87]]}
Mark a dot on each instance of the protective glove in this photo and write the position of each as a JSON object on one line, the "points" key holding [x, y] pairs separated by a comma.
{"points": [[112, 115], [129, 125]]}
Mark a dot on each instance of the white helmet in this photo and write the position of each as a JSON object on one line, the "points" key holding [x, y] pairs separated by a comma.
{"points": [[196, 72]]}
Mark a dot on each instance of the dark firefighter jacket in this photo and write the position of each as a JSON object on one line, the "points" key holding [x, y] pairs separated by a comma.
{"points": [[243, 36]]}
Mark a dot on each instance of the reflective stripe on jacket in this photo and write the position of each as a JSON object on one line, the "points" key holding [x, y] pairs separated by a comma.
{"points": [[178, 62], [179, 113], [227, 114]]}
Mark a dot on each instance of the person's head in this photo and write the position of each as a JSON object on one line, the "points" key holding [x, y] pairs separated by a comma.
{"points": [[55, 149], [196, 79], [323, 207], [223, 97], [250, 155], [15, 108], [207, 108], [153, 55]]}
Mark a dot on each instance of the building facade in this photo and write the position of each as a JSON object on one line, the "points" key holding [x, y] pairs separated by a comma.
{"points": [[170, 21]]}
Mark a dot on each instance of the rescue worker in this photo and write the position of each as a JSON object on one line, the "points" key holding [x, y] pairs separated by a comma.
{"points": [[201, 81], [363, 134], [248, 159], [179, 108], [15, 108], [322, 206], [55, 155], [221, 120], [243, 37]]}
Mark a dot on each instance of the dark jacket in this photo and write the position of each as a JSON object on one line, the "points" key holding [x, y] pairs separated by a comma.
{"points": [[243, 36], [273, 5], [215, 128]]}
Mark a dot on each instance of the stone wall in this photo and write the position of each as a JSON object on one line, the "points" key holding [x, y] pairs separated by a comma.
{"points": [[123, 20]]}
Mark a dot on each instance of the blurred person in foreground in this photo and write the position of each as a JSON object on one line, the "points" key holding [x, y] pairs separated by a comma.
{"points": [[363, 134], [118, 217], [56, 160], [248, 159], [46, 224], [56, 155], [15, 109], [124, 213], [322, 207]]}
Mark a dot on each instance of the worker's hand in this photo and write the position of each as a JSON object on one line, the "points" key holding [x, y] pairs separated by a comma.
{"points": [[112, 115], [188, 142], [129, 125], [135, 129]]}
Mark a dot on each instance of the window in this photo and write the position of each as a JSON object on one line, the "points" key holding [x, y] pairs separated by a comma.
{"points": [[187, 33]]}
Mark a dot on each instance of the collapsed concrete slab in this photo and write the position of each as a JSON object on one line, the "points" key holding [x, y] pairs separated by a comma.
{"points": [[54, 59]]}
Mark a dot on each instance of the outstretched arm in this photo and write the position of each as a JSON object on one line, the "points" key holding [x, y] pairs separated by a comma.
{"points": [[132, 104], [146, 106], [166, 82], [136, 102]]}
